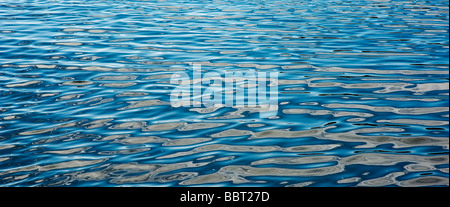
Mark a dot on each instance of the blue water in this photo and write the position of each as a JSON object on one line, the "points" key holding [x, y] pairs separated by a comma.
{"points": [[85, 87]]}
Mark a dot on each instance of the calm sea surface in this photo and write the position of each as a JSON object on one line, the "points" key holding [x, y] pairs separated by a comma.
{"points": [[363, 93]]}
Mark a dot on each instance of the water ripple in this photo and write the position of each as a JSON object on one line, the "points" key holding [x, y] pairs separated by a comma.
{"points": [[362, 93]]}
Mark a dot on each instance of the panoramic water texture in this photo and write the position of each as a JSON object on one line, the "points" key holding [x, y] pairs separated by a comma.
{"points": [[362, 93]]}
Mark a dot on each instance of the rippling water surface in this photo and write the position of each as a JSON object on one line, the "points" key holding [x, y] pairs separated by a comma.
{"points": [[362, 93]]}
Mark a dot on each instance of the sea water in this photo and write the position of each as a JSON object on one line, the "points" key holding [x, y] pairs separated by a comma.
{"points": [[362, 93]]}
